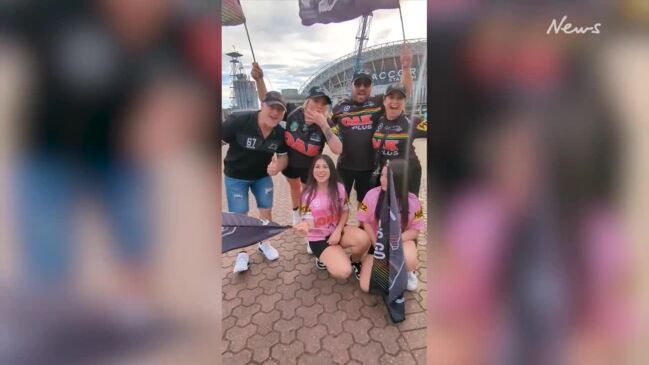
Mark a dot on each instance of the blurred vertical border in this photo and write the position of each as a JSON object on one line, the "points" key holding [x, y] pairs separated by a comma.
{"points": [[494, 61]]}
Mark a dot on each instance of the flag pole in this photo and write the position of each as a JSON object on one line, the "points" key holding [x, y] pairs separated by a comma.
{"points": [[403, 32], [250, 43], [248, 34], [401, 17]]}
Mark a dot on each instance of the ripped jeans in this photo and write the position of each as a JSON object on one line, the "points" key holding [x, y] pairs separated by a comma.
{"points": [[236, 191]]}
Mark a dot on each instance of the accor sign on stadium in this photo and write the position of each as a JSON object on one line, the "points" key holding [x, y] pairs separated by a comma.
{"points": [[391, 76]]}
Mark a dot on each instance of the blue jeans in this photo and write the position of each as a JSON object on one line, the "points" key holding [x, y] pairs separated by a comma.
{"points": [[236, 191], [47, 193]]}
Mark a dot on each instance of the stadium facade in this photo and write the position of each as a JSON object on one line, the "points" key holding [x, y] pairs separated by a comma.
{"points": [[382, 61]]}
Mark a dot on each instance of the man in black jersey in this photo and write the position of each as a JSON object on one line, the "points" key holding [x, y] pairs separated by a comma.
{"points": [[256, 152], [355, 121]]}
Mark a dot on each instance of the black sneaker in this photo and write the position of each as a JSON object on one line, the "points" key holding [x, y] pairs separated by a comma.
{"points": [[356, 267], [319, 264]]}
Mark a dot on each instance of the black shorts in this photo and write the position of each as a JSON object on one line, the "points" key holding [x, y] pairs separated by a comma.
{"points": [[318, 247], [296, 172], [359, 179]]}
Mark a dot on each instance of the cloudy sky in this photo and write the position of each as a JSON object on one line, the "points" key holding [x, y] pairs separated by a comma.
{"points": [[289, 52]]}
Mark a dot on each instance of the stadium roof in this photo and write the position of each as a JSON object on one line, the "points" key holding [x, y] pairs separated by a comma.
{"points": [[346, 62]]}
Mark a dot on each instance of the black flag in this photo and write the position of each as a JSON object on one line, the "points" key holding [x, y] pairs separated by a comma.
{"points": [[238, 230], [389, 271], [336, 11]]}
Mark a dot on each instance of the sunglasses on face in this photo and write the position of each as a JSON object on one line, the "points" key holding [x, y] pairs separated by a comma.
{"points": [[359, 83]]}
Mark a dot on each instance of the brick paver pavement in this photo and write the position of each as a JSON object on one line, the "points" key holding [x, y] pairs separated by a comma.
{"points": [[289, 312]]}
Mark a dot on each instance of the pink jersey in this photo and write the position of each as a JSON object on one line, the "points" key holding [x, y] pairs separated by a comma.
{"points": [[367, 208], [319, 211]]}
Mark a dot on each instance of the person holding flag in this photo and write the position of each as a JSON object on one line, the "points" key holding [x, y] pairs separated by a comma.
{"points": [[307, 129], [355, 121], [256, 152], [394, 136], [410, 217]]}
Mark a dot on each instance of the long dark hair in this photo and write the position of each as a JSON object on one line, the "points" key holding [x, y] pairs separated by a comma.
{"points": [[398, 168], [311, 186]]}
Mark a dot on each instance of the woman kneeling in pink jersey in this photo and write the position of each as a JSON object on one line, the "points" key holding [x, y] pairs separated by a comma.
{"points": [[411, 223], [324, 208]]}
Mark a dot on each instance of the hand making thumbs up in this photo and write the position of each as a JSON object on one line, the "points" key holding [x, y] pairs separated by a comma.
{"points": [[272, 168]]}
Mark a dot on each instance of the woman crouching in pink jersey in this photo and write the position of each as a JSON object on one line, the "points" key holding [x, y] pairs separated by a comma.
{"points": [[412, 220], [324, 208]]}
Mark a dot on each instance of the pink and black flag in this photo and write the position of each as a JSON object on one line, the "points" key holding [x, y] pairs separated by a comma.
{"points": [[231, 13], [389, 275], [238, 230], [337, 11]]}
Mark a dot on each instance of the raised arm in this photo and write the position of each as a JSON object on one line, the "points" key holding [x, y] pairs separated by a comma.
{"points": [[258, 75], [406, 62]]}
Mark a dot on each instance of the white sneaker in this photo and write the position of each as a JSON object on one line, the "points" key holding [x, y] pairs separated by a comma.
{"points": [[269, 252], [413, 281], [308, 248], [296, 217], [319, 264], [241, 264]]}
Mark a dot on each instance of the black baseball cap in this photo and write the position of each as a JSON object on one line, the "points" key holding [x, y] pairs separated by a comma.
{"points": [[274, 98], [361, 75], [398, 88], [316, 92]]}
